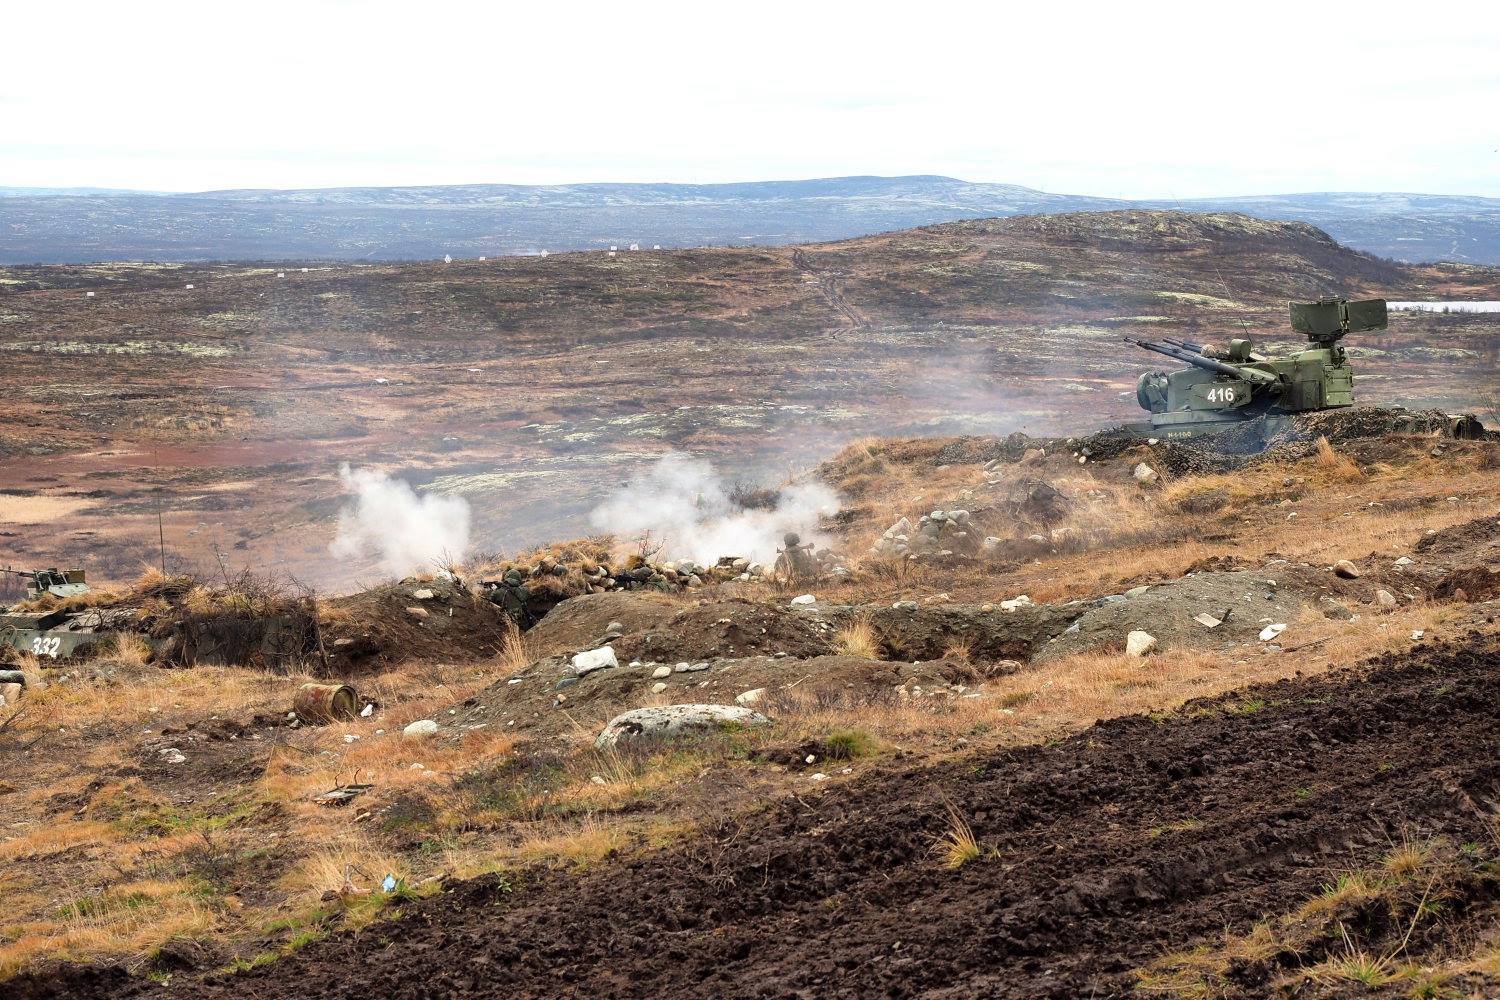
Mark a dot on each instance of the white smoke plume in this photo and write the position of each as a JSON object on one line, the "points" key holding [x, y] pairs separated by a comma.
{"points": [[685, 506], [406, 531]]}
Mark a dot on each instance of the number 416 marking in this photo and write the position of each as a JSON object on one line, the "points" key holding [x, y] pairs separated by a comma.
{"points": [[1221, 394]]}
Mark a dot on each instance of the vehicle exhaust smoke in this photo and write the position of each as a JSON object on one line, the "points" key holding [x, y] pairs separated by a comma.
{"points": [[684, 505], [405, 531]]}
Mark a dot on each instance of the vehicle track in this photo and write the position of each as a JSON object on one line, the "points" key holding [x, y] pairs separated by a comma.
{"points": [[1135, 837], [831, 287]]}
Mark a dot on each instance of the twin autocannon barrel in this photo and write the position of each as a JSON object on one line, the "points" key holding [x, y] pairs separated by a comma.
{"points": [[1189, 354]]}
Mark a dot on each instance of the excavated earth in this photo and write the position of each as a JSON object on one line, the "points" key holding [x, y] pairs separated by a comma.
{"points": [[1138, 836]]}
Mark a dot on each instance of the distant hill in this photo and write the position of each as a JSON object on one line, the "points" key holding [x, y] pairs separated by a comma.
{"points": [[404, 223]]}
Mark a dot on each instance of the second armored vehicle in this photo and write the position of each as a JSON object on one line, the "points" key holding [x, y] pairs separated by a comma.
{"points": [[1231, 385]]}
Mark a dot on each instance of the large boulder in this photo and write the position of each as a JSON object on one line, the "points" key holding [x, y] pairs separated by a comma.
{"points": [[668, 721]]}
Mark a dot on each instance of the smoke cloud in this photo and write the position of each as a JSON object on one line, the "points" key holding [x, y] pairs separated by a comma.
{"points": [[686, 507], [405, 531]]}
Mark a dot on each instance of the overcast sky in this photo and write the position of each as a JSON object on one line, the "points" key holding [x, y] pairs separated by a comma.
{"points": [[1119, 99]]}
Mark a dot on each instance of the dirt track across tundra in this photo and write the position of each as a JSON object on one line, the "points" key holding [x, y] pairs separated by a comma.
{"points": [[1102, 851]]}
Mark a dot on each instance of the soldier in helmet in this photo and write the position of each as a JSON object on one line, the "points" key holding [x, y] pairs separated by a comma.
{"points": [[512, 595], [794, 561]]}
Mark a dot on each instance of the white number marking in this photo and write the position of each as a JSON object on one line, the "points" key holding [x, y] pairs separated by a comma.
{"points": [[46, 646], [1221, 394]]}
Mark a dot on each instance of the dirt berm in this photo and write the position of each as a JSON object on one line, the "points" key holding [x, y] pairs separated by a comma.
{"points": [[1102, 851]]}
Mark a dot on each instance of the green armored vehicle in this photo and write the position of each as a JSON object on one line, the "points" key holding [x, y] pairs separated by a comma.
{"points": [[1228, 386], [58, 632]]}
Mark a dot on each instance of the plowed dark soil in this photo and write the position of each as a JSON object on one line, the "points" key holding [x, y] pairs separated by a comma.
{"points": [[1102, 851]]}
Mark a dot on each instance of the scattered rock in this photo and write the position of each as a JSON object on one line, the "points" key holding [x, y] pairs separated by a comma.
{"points": [[658, 687], [1139, 643], [425, 594], [1137, 591], [420, 728], [1346, 569], [662, 671], [1271, 631], [594, 659], [416, 612], [1385, 598], [1404, 561], [1145, 475], [752, 697], [1333, 609], [804, 600], [172, 755], [674, 720]]}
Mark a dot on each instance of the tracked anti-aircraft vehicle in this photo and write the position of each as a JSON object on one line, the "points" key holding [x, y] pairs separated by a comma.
{"points": [[1229, 386], [1226, 387], [59, 632]]}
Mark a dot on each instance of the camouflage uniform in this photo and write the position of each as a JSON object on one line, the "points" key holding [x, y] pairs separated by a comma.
{"points": [[796, 560], [512, 595]]}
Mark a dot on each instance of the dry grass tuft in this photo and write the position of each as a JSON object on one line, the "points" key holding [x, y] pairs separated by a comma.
{"points": [[514, 656], [957, 845], [858, 639], [1335, 465], [132, 649], [959, 651]]}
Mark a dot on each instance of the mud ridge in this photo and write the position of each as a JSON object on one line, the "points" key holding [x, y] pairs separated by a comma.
{"points": [[1102, 851]]}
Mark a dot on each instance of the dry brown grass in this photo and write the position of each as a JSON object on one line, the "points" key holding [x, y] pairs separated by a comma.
{"points": [[957, 845], [858, 638], [1340, 468], [514, 656], [132, 649]]}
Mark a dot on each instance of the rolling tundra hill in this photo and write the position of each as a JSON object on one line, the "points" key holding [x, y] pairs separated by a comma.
{"points": [[534, 386], [404, 223]]}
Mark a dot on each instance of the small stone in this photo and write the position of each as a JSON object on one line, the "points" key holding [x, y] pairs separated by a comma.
{"points": [[425, 594], [752, 697], [1139, 643], [594, 659], [804, 600], [417, 613], [1137, 591], [1145, 475], [1271, 631], [172, 755], [1346, 569], [662, 671], [658, 687], [419, 729], [1385, 598], [614, 627], [1333, 609], [1404, 561]]}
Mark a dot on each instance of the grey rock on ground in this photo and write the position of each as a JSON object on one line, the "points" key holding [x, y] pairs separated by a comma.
{"points": [[674, 720]]}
